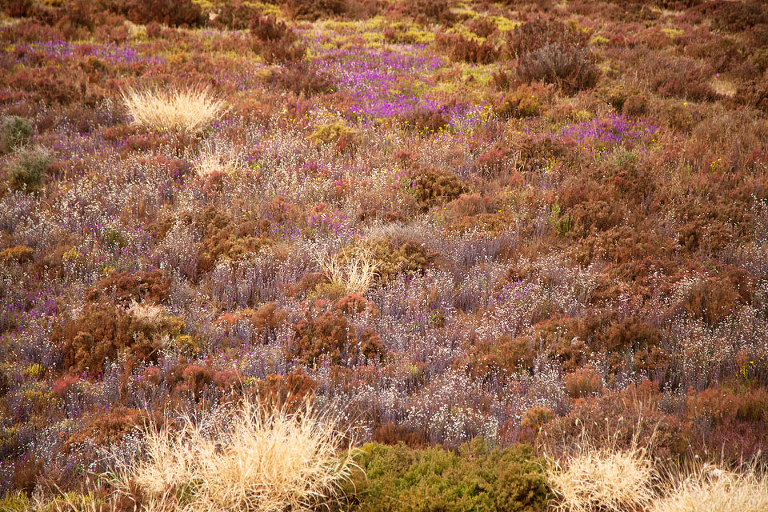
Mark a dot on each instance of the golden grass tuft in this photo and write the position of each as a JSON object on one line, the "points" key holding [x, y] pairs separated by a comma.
{"points": [[186, 110], [355, 274], [220, 158], [250, 460], [711, 489], [603, 479]]}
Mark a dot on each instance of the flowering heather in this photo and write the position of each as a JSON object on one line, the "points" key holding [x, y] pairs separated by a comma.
{"points": [[613, 131]]}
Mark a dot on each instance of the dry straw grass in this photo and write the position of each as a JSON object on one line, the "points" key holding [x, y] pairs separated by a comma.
{"points": [[605, 478], [218, 158], [711, 489], [186, 110], [256, 460], [355, 274]]}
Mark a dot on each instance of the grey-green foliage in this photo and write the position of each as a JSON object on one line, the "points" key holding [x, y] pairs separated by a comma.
{"points": [[15, 132], [29, 168]]}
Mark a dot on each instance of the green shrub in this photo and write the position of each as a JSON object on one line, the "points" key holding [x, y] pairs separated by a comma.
{"points": [[29, 169], [477, 478], [15, 132]]}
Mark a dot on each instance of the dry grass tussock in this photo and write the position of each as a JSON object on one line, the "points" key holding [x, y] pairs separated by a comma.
{"points": [[355, 274], [187, 110], [218, 158], [711, 489], [603, 478], [248, 460]]}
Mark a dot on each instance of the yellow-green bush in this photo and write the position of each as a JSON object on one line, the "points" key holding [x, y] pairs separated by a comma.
{"points": [[477, 478]]}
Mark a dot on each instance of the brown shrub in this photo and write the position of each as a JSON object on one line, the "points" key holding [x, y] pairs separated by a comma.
{"points": [[103, 332], [728, 422], [312, 10], [571, 68], [269, 28], [26, 474], [494, 161], [482, 27], [709, 299], [392, 433], [322, 337], [425, 121], [583, 383], [536, 417], [629, 333], [50, 84], [754, 93], [734, 16], [593, 216], [540, 32], [569, 340], [502, 356], [123, 288], [29, 30], [520, 103], [308, 282], [276, 42], [535, 151], [369, 344], [492, 223], [288, 391], [62, 386], [19, 254], [236, 15], [168, 12], [328, 336], [268, 317], [226, 237], [18, 8], [153, 29], [301, 78], [470, 205], [620, 245], [682, 78], [724, 405], [391, 258], [355, 304], [102, 430], [618, 419], [635, 105], [462, 49], [192, 379], [434, 187], [427, 11]]}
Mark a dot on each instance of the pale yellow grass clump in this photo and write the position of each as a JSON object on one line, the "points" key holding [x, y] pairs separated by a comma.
{"points": [[187, 110], [218, 159], [356, 274], [257, 460], [711, 489], [609, 480]]}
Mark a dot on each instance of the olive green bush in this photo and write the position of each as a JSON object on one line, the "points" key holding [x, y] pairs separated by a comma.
{"points": [[15, 132], [29, 169], [478, 478]]}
